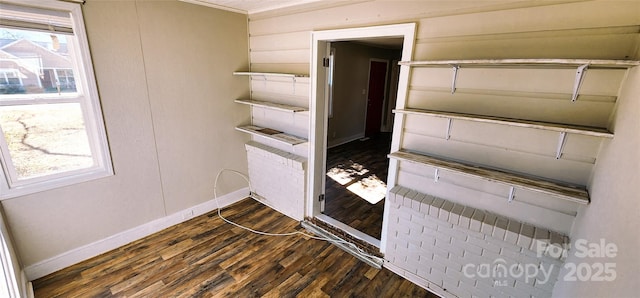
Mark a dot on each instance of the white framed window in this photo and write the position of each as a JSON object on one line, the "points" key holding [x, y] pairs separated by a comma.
{"points": [[51, 128]]}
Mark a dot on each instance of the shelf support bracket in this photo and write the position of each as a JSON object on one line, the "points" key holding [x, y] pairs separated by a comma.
{"points": [[294, 85], [561, 141], [512, 191], [436, 175], [578, 81], [448, 135], [455, 77]]}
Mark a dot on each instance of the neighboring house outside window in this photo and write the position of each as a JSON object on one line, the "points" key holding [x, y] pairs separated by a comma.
{"points": [[51, 128], [10, 81]]}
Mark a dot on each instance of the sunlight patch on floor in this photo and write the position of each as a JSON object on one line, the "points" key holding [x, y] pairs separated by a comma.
{"points": [[372, 189], [344, 176]]}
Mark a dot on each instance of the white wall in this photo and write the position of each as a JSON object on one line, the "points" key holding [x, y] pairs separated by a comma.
{"points": [[164, 72], [614, 212]]}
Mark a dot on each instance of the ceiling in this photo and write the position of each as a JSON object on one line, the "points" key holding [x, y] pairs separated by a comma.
{"points": [[250, 6]]}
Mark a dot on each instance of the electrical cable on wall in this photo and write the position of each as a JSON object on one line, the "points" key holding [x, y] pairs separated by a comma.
{"points": [[215, 196]]}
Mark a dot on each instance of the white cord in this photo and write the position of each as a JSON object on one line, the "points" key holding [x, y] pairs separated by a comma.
{"points": [[215, 197]]}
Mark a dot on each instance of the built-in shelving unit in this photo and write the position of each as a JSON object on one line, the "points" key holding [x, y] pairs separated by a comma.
{"points": [[271, 134], [563, 191], [515, 180], [271, 105]]}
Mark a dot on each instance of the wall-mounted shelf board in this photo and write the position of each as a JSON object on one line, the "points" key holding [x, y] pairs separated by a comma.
{"points": [[268, 74], [567, 128], [569, 63], [272, 134], [563, 191], [581, 65], [271, 105]]}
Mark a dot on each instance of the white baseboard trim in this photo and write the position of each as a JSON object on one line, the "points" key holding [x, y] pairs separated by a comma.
{"points": [[90, 250], [341, 141]]}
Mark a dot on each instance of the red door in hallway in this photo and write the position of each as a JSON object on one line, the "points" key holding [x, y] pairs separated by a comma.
{"points": [[375, 100]]}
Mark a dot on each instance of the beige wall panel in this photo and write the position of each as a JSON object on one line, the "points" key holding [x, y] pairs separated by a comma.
{"points": [[192, 88], [53, 222], [606, 46], [560, 111], [519, 20], [459, 191], [281, 41], [281, 56], [568, 33], [522, 162], [587, 14], [431, 77], [297, 101], [602, 82], [382, 12], [614, 209], [425, 173], [296, 124], [499, 191], [376, 12], [548, 202], [300, 150], [284, 86], [534, 141], [530, 140], [426, 126], [581, 147], [577, 147], [297, 68]]}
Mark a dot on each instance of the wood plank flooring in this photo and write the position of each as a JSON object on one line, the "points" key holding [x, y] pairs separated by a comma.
{"points": [[205, 257], [342, 204]]}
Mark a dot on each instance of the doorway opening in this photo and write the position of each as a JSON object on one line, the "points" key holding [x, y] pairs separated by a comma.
{"points": [[355, 84], [362, 83]]}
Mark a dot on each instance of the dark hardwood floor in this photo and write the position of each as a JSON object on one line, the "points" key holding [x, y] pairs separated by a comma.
{"points": [[205, 257], [342, 204]]}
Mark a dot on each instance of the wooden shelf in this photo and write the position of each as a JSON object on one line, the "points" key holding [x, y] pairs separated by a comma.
{"points": [[269, 74], [563, 191], [272, 134], [570, 63], [271, 105], [567, 128], [579, 64]]}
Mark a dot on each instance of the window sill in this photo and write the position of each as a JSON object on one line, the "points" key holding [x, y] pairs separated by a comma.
{"points": [[51, 184]]}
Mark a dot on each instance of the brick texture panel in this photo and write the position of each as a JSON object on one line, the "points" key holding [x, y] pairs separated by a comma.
{"points": [[278, 178], [470, 252]]}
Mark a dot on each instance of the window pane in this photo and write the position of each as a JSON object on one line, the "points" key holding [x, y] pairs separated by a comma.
{"points": [[34, 62], [46, 139]]}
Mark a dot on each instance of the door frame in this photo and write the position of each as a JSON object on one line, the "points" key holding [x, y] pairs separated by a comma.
{"points": [[318, 106]]}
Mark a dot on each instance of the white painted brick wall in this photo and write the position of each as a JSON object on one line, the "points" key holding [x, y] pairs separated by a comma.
{"points": [[278, 178], [469, 252]]}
